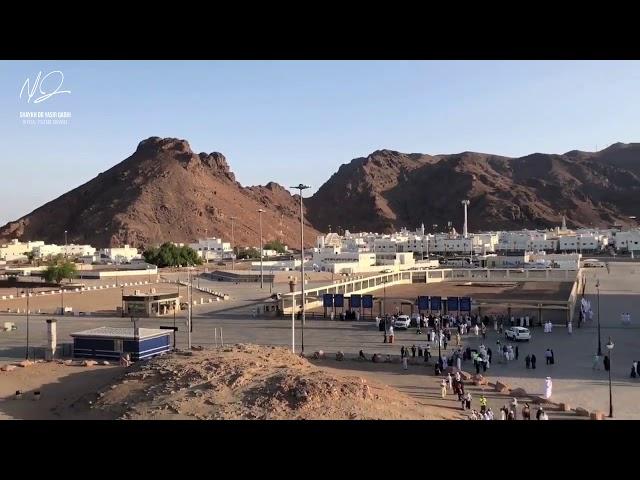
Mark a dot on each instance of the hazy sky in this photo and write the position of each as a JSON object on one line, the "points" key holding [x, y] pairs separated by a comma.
{"points": [[297, 121]]}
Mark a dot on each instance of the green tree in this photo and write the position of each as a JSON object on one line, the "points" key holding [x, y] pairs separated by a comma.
{"points": [[248, 253], [170, 255], [276, 245], [58, 270]]}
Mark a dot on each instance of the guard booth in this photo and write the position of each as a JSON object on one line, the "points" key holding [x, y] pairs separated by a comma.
{"points": [[111, 342], [150, 304]]}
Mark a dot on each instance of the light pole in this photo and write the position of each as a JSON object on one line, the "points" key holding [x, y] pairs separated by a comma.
{"points": [[261, 250], [610, 348], [190, 327], [302, 187], [65, 243], [233, 245], [27, 355], [599, 337]]}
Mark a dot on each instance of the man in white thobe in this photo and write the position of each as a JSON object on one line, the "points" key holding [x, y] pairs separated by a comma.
{"points": [[570, 328], [548, 385]]}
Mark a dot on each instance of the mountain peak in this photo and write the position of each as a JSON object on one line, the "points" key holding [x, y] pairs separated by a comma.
{"points": [[158, 144]]}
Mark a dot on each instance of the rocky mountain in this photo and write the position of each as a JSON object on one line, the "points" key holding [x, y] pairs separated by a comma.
{"points": [[388, 190], [164, 191]]}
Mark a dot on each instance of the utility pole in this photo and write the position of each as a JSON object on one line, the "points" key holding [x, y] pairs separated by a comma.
{"points": [[302, 187], [261, 250], [27, 356], [189, 327], [233, 245]]}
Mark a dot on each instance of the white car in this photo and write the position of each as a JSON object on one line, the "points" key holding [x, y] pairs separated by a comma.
{"points": [[403, 321], [593, 263], [518, 333]]}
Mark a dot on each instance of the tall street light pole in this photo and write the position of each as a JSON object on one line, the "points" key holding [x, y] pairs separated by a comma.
{"points": [[261, 250], [27, 355], [610, 348], [233, 245], [599, 337], [302, 187]]}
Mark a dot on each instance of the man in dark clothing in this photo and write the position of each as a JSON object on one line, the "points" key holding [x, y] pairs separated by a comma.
{"points": [[489, 353], [413, 350], [516, 352], [419, 351], [484, 366], [606, 363], [477, 367], [527, 361], [553, 358], [533, 361], [402, 352]]}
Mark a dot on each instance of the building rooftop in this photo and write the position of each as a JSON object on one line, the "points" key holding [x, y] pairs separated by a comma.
{"points": [[121, 332]]}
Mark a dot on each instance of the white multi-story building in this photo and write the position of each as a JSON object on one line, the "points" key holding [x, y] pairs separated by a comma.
{"points": [[16, 250], [120, 254], [628, 241], [212, 249]]}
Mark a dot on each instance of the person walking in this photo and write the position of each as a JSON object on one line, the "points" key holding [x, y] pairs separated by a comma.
{"points": [[476, 329], [413, 350], [405, 362], [402, 351], [527, 361], [526, 412], [553, 358], [467, 401], [517, 353], [539, 413], [450, 382], [533, 361], [511, 415], [635, 367], [444, 340], [514, 408], [548, 387], [443, 388], [503, 412], [607, 364], [547, 356], [596, 362], [483, 403], [489, 353]]}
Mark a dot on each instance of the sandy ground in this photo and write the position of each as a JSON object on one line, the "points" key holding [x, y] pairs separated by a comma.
{"points": [[240, 382], [61, 388], [105, 300]]}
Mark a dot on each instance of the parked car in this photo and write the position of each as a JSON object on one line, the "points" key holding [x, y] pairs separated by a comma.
{"points": [[518, 333], [593, 263], [402, 322], [388, 270]]}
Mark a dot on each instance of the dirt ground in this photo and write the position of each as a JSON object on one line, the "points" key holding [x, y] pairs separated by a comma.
{"points": [[60, 387], [240, 382], [99, 301]]}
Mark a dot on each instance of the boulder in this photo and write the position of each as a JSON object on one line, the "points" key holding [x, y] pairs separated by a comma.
{"points": [[479, 380], [502, 387], [105, 362], [8, 368], [518, 392], [89, 363], [596, 415], [582, 412], [24, 363]]}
